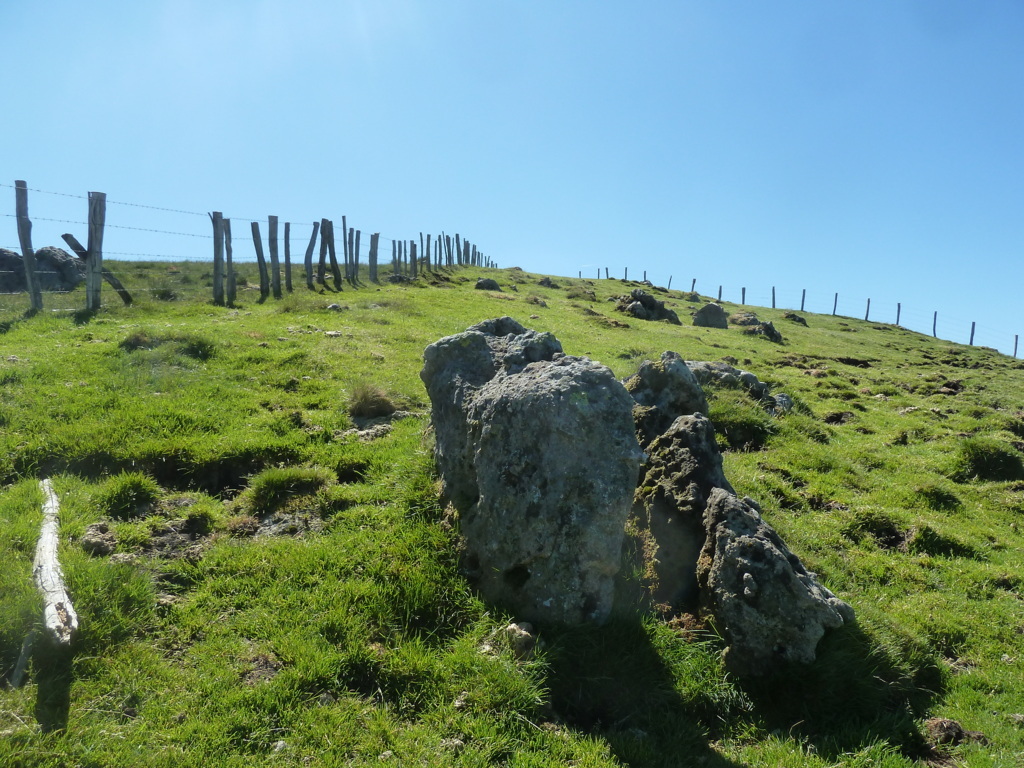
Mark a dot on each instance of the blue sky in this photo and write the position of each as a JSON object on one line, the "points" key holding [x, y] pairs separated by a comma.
{"points": [[864, 147]]}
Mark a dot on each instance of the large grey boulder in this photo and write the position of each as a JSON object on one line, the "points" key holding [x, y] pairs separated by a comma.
{"points": [[770, 609], [556, 463], [538, 455], [684, 466], [664, 389], [56, 270], [454, 369], [711, 316]]}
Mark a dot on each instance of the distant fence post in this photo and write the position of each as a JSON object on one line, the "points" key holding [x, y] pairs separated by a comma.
{"points": [[835, 303], [670, 282], [645, 275], [743, 296], [307, 262], [373, 256], [693, 284], [412, 260], [773, 297], [94, 268], [1015, 337], [719, 293], [868, 310], [351, 246], [355, 259], [275, 264], [898, 308], [232, 278], [332, 254], [972, 334], [321, 266], [288, 256], [218, 257], [625, 274], [345, 247], [257, 241], [25, 238], [606, 273], [935, 323], [803, 297]]}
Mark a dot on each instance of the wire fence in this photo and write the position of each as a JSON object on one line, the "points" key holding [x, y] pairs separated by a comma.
{"points": [[946, 325]]}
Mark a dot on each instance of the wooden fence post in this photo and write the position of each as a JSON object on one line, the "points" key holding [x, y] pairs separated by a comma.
{"points": [[645, 275], [94, 267], [275, 264], [229, 264], [693, 284], [743, 296], [25, 238], [972, 334], [835, 303], [670, 282], [332, 254], [346, 247], [412, 260], [625, 274], [60, 618], [83, 254], [606, 273], [803, 298], [773, 297], [374, 242], [426, 255], [351, 239], [719, 293], [257, 241], [288, 256], [899, 307], [867, 311], [218, 257], [1015, 337], [308, 260], [935, 323]]}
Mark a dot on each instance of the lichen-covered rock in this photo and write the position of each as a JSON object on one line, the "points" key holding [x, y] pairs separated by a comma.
{"points": [[684, 466], [711, 316], [454, 368], [770, 609], [664, 390], [56, 270], [744, 318], [487, 284], [537, 453], [721, 374], [765, 329], [793, 317], [556, 461], [641, 305]]}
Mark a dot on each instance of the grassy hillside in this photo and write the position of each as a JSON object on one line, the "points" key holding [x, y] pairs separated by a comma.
{"points": [[283, 590]]}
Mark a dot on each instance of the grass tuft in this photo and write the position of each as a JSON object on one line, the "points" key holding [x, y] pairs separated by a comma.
{"points": [[128, 495]]}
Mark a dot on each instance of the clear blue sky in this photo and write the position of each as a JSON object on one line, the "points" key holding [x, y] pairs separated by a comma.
{"points": [[868, 147]]}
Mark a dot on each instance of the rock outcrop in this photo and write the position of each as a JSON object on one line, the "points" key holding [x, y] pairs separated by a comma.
{"points": [[487, 284], [711, 316], [538, 454], [643, 306], [769, 608], [56, 270]]}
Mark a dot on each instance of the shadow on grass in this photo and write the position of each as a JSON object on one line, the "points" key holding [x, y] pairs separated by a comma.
{"points": [[659, 699], [53, 677], [853, 695], [613, 683]]}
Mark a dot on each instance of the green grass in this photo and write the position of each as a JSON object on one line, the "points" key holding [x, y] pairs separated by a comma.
{"points": [[349, 636]]}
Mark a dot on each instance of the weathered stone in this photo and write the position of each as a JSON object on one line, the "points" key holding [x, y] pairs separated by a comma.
{"points": [[555, 462], [454, 368], [56, 270], [98, 539], [643, 306], [684, 466], [711, 316], [487, 284], [744, 318], [547, 282], [663, 391], [764, 329], [724, 375], [769, 608], [793, 317]]}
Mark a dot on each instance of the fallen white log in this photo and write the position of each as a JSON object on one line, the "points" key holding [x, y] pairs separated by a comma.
{"points": [[59, 616]]}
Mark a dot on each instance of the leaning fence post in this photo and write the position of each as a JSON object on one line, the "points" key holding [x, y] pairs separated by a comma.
{"points": [[935, 323], [307, 262], [257, 242], [332, 253], [670, 282], [275, 269], [835, 303], [693, 285], [868, 310], [972, 334], [218, 257], [898, 308], [25, 238]]}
